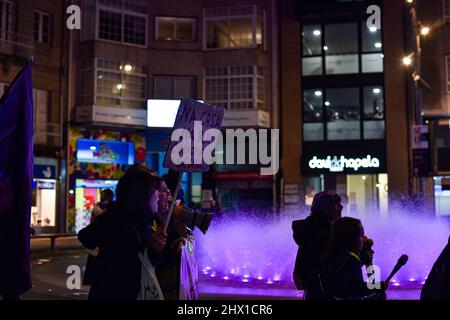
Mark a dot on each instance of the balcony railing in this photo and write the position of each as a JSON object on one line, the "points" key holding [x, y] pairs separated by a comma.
{"points": [[16, 44]]}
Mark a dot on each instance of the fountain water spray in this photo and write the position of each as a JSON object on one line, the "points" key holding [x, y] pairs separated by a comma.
{"points": [[245, 249]]}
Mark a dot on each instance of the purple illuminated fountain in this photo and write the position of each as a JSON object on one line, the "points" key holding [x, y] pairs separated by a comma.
{"points": [[245, 251]]}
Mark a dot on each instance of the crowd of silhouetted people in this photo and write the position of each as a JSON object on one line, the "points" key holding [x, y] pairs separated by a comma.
{"points": [[333, 250]]}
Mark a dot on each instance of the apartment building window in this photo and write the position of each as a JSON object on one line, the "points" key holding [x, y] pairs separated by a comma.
{"points": [[235, 87], [352, 113], [234, 27], [41, 27], [41, 105], [113, 83], [175, 87], [122, 21], [446, 4], [341, 48], [175, 29], [7, 20]]}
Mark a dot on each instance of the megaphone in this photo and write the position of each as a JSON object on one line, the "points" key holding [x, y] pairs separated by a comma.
{"points": [[193, 218]]}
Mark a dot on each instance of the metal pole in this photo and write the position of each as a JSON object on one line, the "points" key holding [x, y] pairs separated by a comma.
{"points": [[174, 199]]}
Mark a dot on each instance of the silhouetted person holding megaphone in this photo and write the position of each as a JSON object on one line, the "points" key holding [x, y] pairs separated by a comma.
{"points": [[342, 277], [181, 224]]}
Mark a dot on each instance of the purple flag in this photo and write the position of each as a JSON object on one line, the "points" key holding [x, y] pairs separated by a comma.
{"points": [[16, 174]]}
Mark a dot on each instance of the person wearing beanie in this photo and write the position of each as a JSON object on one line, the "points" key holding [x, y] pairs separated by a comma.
{"points": [[312, 237]]}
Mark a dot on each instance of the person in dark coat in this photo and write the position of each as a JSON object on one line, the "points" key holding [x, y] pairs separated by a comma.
{"points": [[342, 277], [121, 233], [106, 199], [437, 285], [312, 236]]}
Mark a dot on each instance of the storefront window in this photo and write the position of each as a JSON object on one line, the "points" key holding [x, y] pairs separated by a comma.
{"points": [[43, 208], [372, 62], [343, 47], [343, 114], [341, 42], [442, 195], [443, 144], [312, 40], [312, 66], [371, 39], [87, 195], [313, 113], [312, 105], [342, 64], [341, 38], [374, 130], [373, 102]]}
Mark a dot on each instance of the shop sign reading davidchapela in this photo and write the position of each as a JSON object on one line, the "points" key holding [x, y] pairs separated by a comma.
{"points": [[335, 164]]}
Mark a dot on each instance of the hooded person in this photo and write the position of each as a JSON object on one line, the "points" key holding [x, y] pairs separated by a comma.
{"points": [[312, 236]]}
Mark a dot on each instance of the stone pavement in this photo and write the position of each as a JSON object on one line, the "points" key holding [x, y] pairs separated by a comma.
{"points": [[49, 275]]}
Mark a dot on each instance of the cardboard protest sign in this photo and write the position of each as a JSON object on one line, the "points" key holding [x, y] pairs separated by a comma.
{"points": [[185, 150]]}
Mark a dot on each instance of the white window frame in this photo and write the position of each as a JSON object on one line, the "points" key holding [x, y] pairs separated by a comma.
{"points": [[175, 20], [253, 16], [8, 28], [95, 69], [446, 12], [41, 27], [123, 12], [254, 75]]}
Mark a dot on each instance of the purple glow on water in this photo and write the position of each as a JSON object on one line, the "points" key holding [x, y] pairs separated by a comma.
{"points": [[241, 246]]}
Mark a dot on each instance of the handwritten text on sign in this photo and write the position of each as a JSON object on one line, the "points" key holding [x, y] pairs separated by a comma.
{"points": [[194, 119]]}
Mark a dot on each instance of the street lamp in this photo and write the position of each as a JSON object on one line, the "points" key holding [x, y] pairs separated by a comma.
{"points": [[413, 62], [407, 60], [425, 30]]}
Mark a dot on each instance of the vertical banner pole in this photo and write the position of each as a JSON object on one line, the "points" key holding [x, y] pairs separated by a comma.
{"points": [[174, 199]]}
